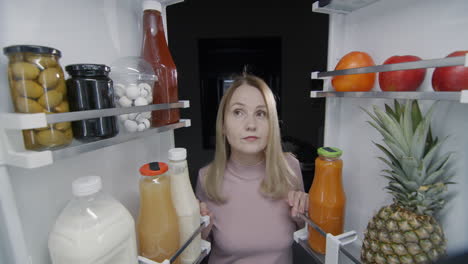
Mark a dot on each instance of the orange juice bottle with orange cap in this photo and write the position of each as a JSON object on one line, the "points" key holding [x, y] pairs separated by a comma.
{"points": [[157, 226], [326, 197]]}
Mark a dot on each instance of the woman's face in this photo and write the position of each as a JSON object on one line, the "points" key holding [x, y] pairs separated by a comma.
{"points": [[246, 121]]}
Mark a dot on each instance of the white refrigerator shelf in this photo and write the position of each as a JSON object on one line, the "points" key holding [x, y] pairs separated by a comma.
{"points": [[38, 120], [340, 6], [461, 96], [11, 138], [334, 244]]}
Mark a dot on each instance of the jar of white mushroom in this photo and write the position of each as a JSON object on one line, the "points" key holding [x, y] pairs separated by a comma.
{"points": [[133, 86]]}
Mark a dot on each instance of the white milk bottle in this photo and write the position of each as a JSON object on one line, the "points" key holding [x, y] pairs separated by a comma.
{"points": [[93, 228], [185, 203]]}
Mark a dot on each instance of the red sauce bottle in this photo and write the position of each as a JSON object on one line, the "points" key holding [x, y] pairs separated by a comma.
{"points": [[156, 52]]}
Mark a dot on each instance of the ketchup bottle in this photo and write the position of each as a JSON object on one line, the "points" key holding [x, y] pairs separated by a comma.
{"points": [[156, 52]]}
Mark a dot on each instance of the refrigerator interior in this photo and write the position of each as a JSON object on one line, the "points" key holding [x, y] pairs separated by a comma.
{"points": [[100, 31], [85, 31], [426, 28]]}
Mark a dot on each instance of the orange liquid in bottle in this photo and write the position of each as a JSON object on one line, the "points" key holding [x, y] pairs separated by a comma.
{"points": [[326, 201], [157, 226], [156, 52]]}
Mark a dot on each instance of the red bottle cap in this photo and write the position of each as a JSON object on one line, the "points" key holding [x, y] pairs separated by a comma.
{"points": [[153, 169]]}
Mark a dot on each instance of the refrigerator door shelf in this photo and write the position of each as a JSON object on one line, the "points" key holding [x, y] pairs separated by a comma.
{"points": [[461, 97], [205, 246], [340, 6], [30, 121], [334, 244], [15, 155], [433, 63]]}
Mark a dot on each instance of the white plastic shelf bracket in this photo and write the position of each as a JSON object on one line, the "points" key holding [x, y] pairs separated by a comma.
{"points": [[464, 97], [335, 242]]}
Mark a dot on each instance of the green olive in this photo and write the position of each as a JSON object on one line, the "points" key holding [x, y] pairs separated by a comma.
{"points": [[42, 60], [50, 99], [26, 105], [29, 139], [50, 138], [62, 126], [14, 92], [24, 70], [68, 135], [49, 77], [61, 87], [29, 89], [62, 107]]}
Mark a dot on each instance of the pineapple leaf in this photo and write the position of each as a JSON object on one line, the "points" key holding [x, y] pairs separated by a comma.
{"points": [[401, 174], [439, 163], [420, 173], [382, 131], [398, 108], [416, 115], [390, 111], [389, 154], [396, 177], [432, 178], [400, 188], [429, 142], [431, 153], [392, 126], [373, 117], [419, 139], [406, 122], [397, 152], [408, 164]]}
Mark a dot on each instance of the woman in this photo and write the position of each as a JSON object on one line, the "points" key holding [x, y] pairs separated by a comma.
{"points": [[252, 190]]}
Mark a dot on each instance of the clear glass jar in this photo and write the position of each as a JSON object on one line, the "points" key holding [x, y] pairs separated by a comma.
{"points": [[37, 85]]}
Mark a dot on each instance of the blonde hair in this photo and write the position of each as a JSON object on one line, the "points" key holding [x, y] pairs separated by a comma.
{"points": [[280, 178]]}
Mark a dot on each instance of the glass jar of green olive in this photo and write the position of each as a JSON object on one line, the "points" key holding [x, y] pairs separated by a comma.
{"points": [[37, 85]]}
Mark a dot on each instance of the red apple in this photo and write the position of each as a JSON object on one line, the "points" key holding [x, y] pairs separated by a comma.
{"points": [[405, 80], [453, 78]]}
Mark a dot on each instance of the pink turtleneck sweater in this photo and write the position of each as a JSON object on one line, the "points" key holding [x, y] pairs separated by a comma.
{"points": [[249, 228]]}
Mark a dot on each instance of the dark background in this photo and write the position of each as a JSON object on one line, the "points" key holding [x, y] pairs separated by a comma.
{"points": [[282, 42]]}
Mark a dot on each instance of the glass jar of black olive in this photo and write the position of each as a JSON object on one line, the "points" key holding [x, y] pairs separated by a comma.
{"points": [[90, 88]]}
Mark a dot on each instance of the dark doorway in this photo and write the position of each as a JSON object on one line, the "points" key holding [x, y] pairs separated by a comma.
{"points": [[220, 60]]}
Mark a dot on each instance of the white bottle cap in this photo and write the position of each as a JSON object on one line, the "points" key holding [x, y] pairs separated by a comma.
{"points": [[152, 4], [177, 154], [86, 185]]}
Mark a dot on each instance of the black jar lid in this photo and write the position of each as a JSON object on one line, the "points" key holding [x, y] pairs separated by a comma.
{"points": [[87, 69], [32, 49]]}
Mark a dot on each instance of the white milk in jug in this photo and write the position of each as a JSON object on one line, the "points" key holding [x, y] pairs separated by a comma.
{"points": [[185, 203], [93, 228]]}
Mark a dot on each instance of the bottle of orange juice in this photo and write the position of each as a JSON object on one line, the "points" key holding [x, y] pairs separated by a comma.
{"points": [[326, 197]]}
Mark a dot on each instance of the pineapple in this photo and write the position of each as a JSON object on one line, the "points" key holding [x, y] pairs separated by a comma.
{"points": [[406, 231]]}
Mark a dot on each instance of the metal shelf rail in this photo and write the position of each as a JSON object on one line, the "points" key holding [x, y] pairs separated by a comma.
{"points": [[205, 246], [461, 97], [334, 244]]}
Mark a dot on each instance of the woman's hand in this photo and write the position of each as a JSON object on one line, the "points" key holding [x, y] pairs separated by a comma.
{"points": [[205, 211], [299, 201]]}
